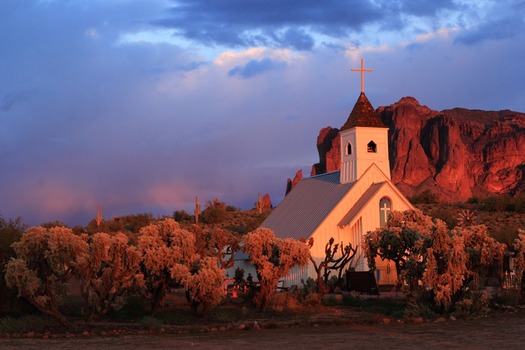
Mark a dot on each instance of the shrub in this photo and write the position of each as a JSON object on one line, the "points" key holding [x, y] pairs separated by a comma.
{"points": [[273, 258], [425, 197], [181, 215], [23, 324], [215, 212], [419, 309]]}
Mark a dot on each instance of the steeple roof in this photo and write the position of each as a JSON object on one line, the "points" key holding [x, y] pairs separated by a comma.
{"points": [[363, 115]]}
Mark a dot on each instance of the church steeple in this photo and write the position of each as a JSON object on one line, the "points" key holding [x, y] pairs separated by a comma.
{"points": [[363, 115], [364, 139]]}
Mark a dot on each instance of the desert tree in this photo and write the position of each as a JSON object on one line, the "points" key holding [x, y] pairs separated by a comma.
{"points": [[164, 246], [215, 212], [337, 258], [46, 258], [218, 243], [403, 241], [519, 260], [445, 264], [203, 283], [109, 273], [273, 258], [485, 254], [10, 232]]}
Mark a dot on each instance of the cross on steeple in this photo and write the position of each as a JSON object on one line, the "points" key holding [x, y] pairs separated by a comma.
{"points": [[363, 71]]}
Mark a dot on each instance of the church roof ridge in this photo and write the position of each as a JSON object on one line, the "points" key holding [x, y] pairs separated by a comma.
{"points": [[363, 115]]}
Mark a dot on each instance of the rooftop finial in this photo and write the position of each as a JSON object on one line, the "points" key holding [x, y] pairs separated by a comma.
{"points": [[362, 70]]}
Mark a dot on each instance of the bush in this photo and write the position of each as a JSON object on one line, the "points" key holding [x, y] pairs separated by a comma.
{"points": [[419, 309], [28, 323], [151, 322], [215, 212], [10, 232], [425, 197], [181, 215]]}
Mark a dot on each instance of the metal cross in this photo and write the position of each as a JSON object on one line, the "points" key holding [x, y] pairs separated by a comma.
{"points": [[363, 71]]}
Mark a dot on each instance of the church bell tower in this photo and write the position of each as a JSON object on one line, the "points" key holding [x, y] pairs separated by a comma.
{"points": [[364, 139]]}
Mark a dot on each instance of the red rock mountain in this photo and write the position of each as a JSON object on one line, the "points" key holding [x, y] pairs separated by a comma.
{"points": [[456, 153]]}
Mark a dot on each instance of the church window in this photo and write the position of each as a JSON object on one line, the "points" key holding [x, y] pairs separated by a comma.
{"points": [[349, 149], [371, 147], [385, 207]]}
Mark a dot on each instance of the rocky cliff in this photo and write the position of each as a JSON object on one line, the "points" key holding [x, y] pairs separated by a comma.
{"points": [[456, 154]]}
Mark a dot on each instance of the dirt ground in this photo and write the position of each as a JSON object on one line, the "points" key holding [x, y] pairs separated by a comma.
{"points": [[504, 331]]}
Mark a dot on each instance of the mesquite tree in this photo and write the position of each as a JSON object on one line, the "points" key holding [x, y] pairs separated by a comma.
{"points": [[331, 263], [273, 258], [46, 258]]}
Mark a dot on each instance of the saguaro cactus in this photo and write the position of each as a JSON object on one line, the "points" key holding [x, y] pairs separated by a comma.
{"points": [[99, 216], [197, 210], [259, 204]]}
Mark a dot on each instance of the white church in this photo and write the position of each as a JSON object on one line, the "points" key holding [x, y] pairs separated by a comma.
{"points": [[344, 204]]}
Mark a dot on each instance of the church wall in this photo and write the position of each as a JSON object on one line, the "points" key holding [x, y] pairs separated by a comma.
{"points": [[364, 158], [348, 163], [385, 270]]}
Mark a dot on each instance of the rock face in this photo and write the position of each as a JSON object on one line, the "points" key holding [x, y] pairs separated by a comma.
{"points": [[456, 154], [290, 184]]}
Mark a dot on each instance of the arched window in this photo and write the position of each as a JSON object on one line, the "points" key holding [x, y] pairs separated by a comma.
{"points": [[371, 147], [348, 149], [385, 207]]}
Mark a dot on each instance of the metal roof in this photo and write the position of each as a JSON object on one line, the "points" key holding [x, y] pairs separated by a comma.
{"points": [[306, 206], [347, 219]]}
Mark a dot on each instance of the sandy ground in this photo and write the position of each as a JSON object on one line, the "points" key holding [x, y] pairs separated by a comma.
{"points": [[506, 331]]}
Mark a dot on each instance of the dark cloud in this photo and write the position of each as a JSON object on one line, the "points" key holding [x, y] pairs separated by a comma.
{"points": [[255, 67], [240, 23], [248, 23], [426, 7], [297, 39], [494, 29]]}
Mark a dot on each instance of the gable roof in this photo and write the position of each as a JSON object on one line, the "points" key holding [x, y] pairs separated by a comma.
{"points": [[363, 115], [360, 204], [306, 206]]}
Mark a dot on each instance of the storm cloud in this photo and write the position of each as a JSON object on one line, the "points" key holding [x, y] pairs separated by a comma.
{"points": [[142, 105]]}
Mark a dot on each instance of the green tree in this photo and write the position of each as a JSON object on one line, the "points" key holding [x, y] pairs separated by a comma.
{"points": [[403, 241]]}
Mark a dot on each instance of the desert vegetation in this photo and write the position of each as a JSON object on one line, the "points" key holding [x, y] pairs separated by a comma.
{"points": [[445, 256]]}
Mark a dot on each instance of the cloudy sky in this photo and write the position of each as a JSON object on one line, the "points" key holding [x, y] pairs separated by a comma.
{"points": [[140, 105]]}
